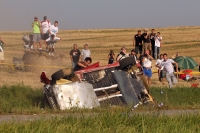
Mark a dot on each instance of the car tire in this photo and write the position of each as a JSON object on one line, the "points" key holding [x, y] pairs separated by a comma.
{"points": [[127, 61]]}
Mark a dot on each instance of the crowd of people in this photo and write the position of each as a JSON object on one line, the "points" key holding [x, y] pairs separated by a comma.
{"points": [[43, 33], [146, 49]]}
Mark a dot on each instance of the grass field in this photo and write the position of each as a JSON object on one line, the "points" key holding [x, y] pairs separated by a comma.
{"points": [[21, 92], [108, 122], [100, 41]]}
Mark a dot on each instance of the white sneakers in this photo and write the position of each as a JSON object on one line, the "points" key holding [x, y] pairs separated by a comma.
{"points": [[51, 54]]}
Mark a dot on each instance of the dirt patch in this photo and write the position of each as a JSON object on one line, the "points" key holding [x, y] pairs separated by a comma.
{"points": [[38, 61]]}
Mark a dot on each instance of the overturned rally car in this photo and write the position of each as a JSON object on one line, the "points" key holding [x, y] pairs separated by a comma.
{"points": [[114, 84]]}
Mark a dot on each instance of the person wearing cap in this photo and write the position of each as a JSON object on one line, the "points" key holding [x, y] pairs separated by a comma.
{"points": [[146, 40], [45, 26], [54, 28], [74, 55], [36, 33], [122, 54], [137, 43], [85, 52], [51, 43]]}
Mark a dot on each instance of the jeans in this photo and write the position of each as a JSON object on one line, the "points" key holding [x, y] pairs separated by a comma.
{"points": [[156, 52], [171, 79]]}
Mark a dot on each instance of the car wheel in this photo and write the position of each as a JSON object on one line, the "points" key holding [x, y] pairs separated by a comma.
{"points": [[126, 62]]}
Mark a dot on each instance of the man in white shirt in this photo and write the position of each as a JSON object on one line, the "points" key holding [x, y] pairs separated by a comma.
{"points": [[54, 28], [161, 74], [167, 64], [45, 26], [158, 40], [85, 52]]}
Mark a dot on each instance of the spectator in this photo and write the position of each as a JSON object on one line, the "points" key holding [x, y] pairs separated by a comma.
{"points": [[158, 40], [45, 26], [75, 55], [51, 43], [167, 64], [54, 28], [146, 41], [111, 57], [84, 64], [173, 57], [122, 54], [152, 36], [36, 33], [28, 41], [133, 54], [147, 65], [137, 43], [85, 52], [161, 73], [1, 50]]}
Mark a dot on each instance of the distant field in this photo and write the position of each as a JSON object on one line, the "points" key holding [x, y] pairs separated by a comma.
{"points": [[185, 40]]}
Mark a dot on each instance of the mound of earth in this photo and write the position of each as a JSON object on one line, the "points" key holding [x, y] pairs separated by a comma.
{"points": [[38, 61]]}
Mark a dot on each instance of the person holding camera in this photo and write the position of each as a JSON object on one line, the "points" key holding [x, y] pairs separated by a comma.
{"points": [[111, 57], [36, 33]]}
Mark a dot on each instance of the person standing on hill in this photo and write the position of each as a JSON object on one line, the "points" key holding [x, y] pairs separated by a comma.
{"points": [[36, 33], [167, 64], [152, 36], [137, 43], [1, 50], [85, 52], [45, 26], [54, 28], [74, 55], [146, 41]]}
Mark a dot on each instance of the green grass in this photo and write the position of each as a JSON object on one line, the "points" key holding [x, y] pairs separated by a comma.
{"points": [[107, 122], [20, 99]]}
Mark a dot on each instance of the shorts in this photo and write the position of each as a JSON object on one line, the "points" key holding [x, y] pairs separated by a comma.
{"points": [[36, 37], [1, 55], [138, 48], [147, 72], [51, 45], [44, 36]]}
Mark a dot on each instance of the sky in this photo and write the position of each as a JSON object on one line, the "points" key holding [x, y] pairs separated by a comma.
{"points": [[17, 15]]}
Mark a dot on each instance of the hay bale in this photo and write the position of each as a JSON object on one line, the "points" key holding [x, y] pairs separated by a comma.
{"points": [[38, 61]]}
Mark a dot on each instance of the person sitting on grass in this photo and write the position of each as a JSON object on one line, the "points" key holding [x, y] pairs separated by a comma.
{"points": [[83, 64], [51, 43]]}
